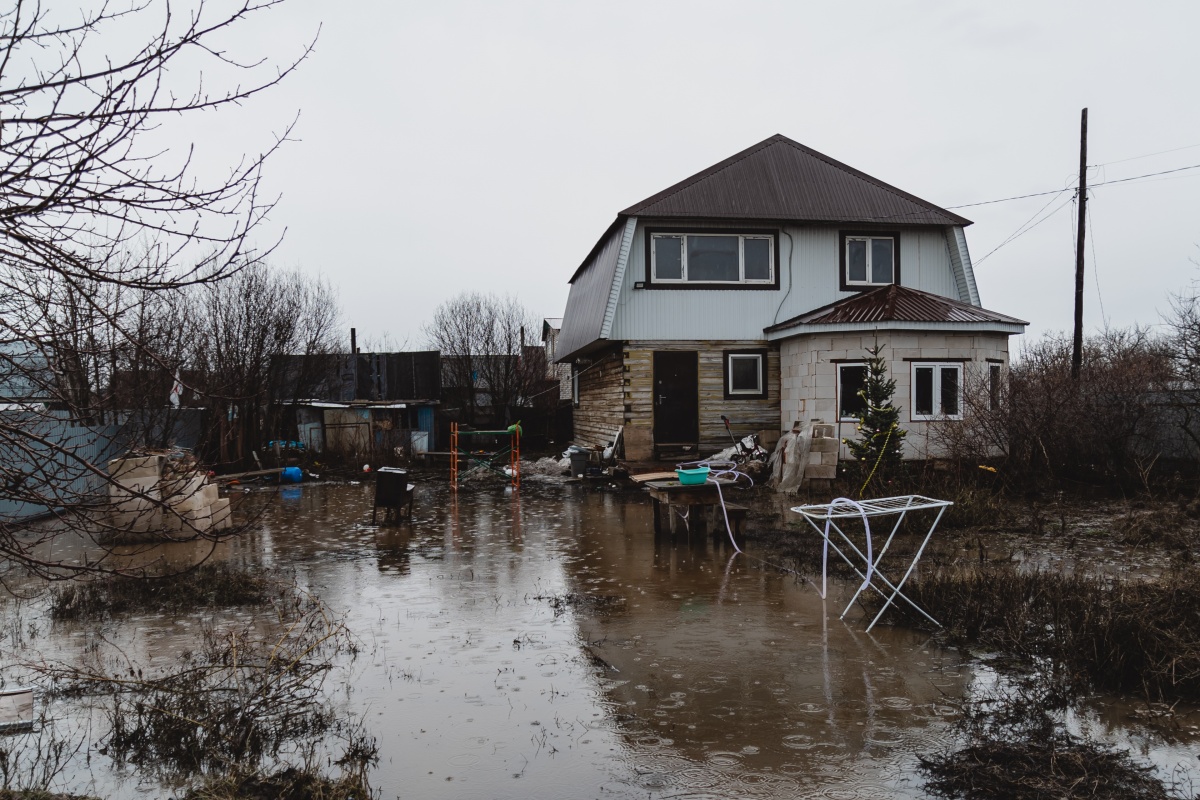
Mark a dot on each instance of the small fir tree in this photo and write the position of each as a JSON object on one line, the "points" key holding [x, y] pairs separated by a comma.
{"points": [[880, 436]]}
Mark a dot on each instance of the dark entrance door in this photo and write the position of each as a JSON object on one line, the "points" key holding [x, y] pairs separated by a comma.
{"points": [[676, 398]]}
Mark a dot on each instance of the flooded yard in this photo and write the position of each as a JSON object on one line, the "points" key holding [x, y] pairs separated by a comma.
{"points": [[547, 644]]}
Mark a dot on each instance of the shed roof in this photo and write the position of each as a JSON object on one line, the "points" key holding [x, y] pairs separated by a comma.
{"points": [[781, 179], [896, 304]]}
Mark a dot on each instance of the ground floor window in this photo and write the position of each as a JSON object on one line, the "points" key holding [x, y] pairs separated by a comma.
{"points": [[936, 391], [994, 378], [852, 379], [745, 373]]}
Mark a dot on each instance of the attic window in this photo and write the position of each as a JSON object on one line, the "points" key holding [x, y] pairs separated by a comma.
{"points": [[869, 259], [684, 258]]}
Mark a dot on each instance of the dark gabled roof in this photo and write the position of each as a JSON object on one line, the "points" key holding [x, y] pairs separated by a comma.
{"points": [[896, 304], [780, 179]]}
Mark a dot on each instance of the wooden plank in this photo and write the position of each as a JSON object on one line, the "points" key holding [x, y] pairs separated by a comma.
{"points": [[652, 476]]}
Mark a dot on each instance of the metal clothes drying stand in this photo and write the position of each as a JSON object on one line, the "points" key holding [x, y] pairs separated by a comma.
{"points": [[829, 513], [485, 461]]}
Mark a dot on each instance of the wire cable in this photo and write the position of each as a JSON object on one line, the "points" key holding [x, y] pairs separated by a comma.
{"points": [[1024, 229]]}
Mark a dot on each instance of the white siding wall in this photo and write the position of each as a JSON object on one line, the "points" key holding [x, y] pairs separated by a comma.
{"points": [[808, 375], [808, 280]]}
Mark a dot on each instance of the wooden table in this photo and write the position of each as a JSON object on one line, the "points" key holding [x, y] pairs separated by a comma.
{"points": [[698, 497]]}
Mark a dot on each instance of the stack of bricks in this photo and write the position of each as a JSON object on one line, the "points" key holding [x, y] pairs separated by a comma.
{"points": [[822, 453], [142, 500]]}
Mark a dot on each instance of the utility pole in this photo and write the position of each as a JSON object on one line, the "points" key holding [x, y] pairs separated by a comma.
{"points": [[1077, 348]]}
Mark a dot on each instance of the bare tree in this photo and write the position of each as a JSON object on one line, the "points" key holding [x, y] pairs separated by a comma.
{"points": [[251, 320], [85, 180], [482, 339], [1183, 337]]}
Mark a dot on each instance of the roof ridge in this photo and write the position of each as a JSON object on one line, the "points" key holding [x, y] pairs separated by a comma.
{"points": [[707, 172], [857, 173]]}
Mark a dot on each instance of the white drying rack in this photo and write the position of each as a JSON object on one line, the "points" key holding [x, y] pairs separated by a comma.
{"points": [[843, 509]]}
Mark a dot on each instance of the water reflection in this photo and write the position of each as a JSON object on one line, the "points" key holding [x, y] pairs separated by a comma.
{"points": [[727, 667], [698, 674]]}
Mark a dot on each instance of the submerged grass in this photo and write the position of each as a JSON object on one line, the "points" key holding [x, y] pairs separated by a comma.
{"points": [[1058, 766], [213, 584], [1125, 635], [1018, 747], [286, 784]]}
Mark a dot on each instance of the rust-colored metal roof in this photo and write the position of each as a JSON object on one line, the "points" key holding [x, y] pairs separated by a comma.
{"points": [[896, 304], [780, 179]]}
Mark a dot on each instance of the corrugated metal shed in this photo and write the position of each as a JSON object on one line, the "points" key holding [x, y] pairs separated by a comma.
{"points": [[896, 304], [780, 179]]}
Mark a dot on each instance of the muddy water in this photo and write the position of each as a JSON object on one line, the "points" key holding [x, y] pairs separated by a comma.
{"points": [[691, 672]]}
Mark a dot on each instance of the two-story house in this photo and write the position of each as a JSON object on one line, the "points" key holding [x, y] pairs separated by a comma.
{"points": [[752, 290]]}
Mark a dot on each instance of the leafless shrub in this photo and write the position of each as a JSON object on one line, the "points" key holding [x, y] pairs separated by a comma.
{"points": [[247, 692], [1041, 428], [1127, 635]]}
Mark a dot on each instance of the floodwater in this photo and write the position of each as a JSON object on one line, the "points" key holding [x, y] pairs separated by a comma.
{"points": [[693, 672]]}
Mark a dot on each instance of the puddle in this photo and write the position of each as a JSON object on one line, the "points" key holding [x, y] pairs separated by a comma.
{"points": [[697, 674]]}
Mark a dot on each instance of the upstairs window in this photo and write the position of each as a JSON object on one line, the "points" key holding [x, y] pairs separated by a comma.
{"points": [[701, 258], [869, 259]]}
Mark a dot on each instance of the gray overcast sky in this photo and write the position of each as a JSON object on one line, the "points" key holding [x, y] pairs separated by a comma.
{"points": [[444, 146]]}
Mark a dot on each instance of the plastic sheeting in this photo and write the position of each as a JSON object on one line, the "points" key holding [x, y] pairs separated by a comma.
{"points": [[790, 458]]}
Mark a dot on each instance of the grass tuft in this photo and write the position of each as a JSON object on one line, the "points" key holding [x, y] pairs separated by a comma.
{"points": [[211, 585]]}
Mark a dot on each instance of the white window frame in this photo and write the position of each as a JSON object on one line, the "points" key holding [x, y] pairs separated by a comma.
{"points": [[937, 367], [760, 369], [742, 279], [870, 271], [838, 388]]}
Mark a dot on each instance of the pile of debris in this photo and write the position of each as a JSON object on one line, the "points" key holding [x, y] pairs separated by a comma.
{"points": [[164, 492]]}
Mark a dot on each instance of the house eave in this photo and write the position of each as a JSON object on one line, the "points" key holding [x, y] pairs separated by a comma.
{"points": [[1006, 328], [592, 347]]}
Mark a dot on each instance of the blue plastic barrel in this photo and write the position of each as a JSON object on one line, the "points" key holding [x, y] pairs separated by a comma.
{"points": [[291, 475]]}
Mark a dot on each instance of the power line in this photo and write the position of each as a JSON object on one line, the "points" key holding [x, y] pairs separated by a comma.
{"points": [[1148, 175], [1148, 155], [1023, 229], [1091, 231], [1060, 191]]}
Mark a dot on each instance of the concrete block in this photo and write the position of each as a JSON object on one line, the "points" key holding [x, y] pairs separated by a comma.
{"points": [[200, 519], [209, 493], [172, 522], [822, 430], [134, 494], [186, 494], [814, 472], [824, 445], [222, 514], [137, 521], [140, 467]]}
